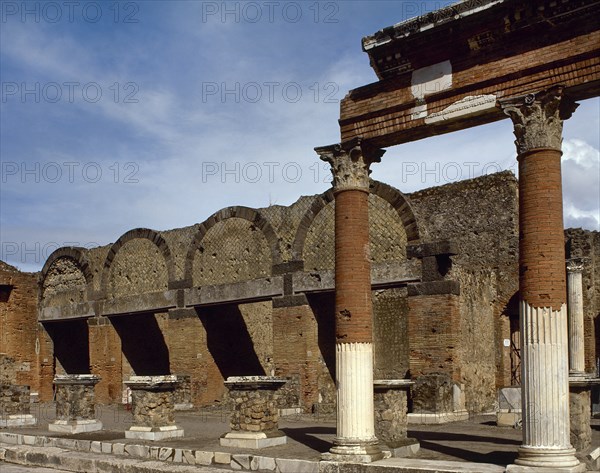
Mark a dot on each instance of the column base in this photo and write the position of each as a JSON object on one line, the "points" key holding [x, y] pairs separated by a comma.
{"points": [[75, 426], [153, 433], [547, 458], [253, 440], [355, 451], [17, 420], [437, 417], [533, 469]]}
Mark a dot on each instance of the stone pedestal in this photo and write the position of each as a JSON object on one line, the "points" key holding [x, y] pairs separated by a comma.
{"points": [[14, 406], [437, 399], [254, 419], [580, 404], [509, 413], [153, 409], [182, 397], [75, 404], [391, 406]]}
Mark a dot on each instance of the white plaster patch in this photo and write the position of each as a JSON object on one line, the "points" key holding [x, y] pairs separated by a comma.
{"points": [[431, 79], [465, 107], [420, 111]]}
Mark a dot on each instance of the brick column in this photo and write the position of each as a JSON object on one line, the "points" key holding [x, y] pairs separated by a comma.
{"points": [[355, 439], [537, 123]]}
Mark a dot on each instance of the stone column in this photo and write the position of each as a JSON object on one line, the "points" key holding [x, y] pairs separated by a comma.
{"points": [[537, 123], [575, 316], [355, 439], [153, 409], [75, 404]]}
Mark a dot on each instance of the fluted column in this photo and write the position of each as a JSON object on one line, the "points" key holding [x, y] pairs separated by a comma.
{"points": [[355, 439], [575, 316], [537, 123]]}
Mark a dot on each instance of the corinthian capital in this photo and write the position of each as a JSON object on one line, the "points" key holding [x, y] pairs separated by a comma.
{"points": [[350, 162], [538, 118], [575, 265]]}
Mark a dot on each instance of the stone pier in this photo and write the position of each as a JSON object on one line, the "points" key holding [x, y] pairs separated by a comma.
{"points": [[391, 419], [355, 438], [538, 120], [75, 404], [14, 406], [153, 408], [255, 416]]}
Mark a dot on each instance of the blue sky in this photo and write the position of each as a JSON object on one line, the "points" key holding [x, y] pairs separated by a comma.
{"points": [[117, 115]]}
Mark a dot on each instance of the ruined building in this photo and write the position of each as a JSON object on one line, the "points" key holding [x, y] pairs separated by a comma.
{"points": [[250, 291]]}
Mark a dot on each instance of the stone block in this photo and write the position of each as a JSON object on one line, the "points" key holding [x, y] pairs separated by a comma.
{"points": [[252, 440], [263, 463], [177, 455], [83, 445], [188, 457], [204, 458], [118, 448], [165, 454], [96, 447], [222, 458], [285, 465], [107, 447], [139, 451], [242, 460]]}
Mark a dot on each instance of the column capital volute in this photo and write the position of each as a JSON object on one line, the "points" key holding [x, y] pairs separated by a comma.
{"points": [[538, 118], [350, 163], [575, 265]]}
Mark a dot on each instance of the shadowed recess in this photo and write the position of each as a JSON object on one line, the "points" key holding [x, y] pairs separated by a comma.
{"points": [[143, 344], [229, 341], [71, 345]]}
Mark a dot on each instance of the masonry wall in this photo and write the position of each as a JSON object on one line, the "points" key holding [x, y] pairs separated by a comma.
{"points": [[296, 338], [481, 217], [21, 337]]}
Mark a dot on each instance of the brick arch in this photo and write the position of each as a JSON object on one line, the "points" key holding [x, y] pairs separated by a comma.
{"points": [[72, 280], [251, 215], [77, 254], [388, 193], [137, 233]]}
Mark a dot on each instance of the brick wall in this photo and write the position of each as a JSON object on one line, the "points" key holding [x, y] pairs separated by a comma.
{"points": [[21, 337]]}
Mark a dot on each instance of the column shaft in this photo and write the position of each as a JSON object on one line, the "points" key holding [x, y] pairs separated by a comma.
{"points": [[355, 439], [542, 286], [575, 315]]}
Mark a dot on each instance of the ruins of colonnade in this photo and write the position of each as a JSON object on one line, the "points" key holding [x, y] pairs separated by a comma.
{"points": [[364, 284]]}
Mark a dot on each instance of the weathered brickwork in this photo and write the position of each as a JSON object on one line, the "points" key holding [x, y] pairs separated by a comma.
{"points": [[138, 267], [64, 284], [232, 250], [459, 333], [390, 333], [105, 360], [22, 339]]}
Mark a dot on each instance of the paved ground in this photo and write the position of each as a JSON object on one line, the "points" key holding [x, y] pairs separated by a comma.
{"points": [[475, 440], [10, 468]]}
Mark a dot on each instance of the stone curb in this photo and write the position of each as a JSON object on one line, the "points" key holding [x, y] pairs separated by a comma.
{"points": [[165, 454], [84, 456]]}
